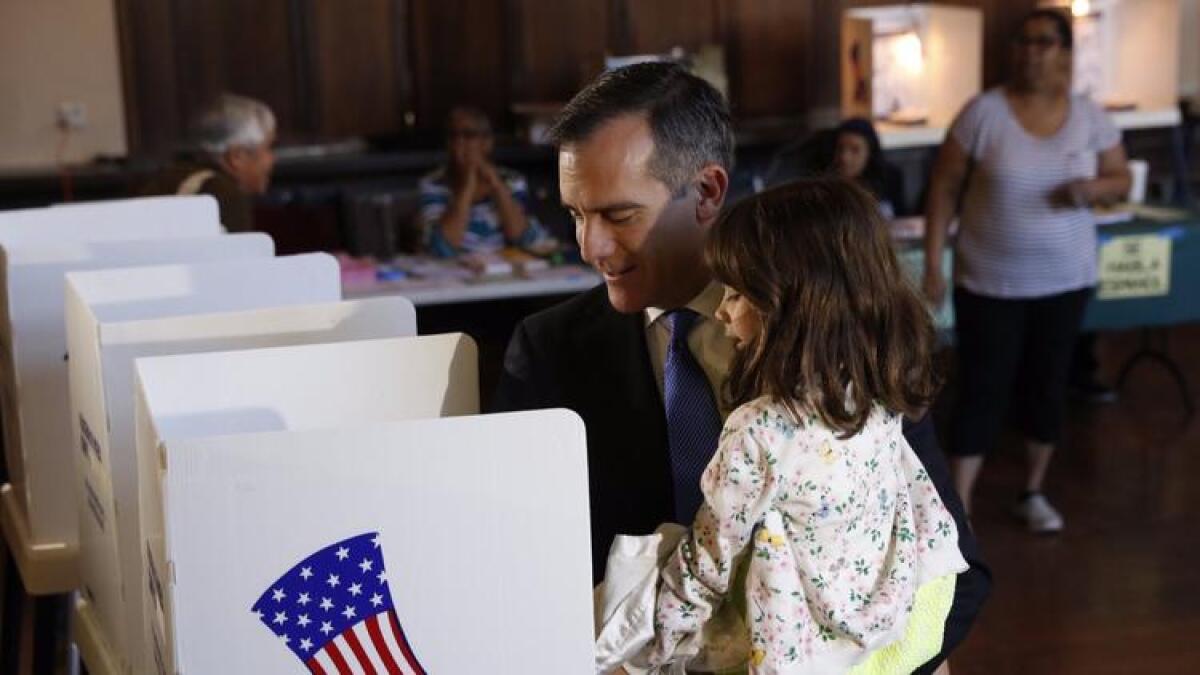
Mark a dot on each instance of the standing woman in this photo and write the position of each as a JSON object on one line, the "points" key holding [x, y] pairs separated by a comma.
{"points": [[1028, 159]]}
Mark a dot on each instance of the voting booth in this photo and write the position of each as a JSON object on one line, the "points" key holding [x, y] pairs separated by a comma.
{"points": [[39, 505], [160, 208], [277, 389], [115, 316], [434, 546], [1127, 57], [910, 67], [121, 219]]}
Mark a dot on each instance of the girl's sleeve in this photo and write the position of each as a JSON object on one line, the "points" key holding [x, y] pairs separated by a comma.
{"points": [[737, 486]]}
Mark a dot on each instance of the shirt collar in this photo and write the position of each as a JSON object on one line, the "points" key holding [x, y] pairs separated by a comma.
{"points": [[705, 304]]}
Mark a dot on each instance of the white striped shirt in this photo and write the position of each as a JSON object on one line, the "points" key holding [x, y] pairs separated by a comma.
{"points": [[1014, 241]]}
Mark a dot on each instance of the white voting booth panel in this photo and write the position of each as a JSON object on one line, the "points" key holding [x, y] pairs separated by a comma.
{"points": [[33, 352], [278, 389], [161, 208], [115, 316], [469, 534], [122, 219]]}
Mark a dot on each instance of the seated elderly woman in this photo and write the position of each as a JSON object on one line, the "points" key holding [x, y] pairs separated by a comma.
{"points": [[470, 205], [229, 157]]}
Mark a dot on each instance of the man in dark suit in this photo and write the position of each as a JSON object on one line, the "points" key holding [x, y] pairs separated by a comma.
{"points": [[644, 159]]}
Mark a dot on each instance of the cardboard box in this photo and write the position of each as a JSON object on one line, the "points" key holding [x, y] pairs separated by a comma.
{"points": [[115, 316], [278, 389], [474, 531], [33, 353]]}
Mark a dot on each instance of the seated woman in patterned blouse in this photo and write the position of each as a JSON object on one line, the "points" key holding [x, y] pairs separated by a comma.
{"points": [[822, 546], [470, 205]]}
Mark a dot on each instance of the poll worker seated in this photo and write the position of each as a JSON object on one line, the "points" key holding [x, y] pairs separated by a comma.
{"points": [[644, 155], [470, 205], [858, 155], [229, 156]]}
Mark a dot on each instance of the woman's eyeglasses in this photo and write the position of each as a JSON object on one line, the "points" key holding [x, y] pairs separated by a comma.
{"points": [[467, 134], [1039, 41]]}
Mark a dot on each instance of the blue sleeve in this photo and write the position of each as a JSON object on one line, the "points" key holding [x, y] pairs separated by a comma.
{"points": [[432, 206], [520, 191]]}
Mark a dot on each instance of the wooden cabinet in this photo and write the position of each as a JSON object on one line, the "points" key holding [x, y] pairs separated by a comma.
{"points": [[332, 69], [325, 71]]}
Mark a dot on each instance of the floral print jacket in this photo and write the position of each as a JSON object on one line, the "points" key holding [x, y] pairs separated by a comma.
{"points": [[835, 536]]}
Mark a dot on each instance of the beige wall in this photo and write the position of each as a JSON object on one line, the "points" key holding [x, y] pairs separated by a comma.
{"points": [[53, 51]]}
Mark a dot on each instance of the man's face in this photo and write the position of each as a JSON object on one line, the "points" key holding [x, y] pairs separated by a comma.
{"points": [[468, 139], [648, 245], [251, 166]]}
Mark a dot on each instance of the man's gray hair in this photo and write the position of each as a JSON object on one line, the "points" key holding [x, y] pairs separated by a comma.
{"points": [[232, 122], [688, 118]]}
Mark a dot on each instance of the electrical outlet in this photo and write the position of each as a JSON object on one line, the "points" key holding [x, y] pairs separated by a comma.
{"points": [[71, 116]]}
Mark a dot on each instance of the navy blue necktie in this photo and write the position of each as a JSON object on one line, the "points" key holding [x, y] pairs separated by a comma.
{"points": [[693, 421]]}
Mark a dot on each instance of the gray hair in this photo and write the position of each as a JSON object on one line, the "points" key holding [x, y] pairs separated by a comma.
{"points": [[688, 118], [232, 122]]}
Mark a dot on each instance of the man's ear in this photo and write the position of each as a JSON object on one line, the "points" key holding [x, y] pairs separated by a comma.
{"points": [[234, 158], [712, 184]]}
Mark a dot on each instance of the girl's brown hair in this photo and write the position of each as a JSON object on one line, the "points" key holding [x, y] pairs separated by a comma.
{"points": [[842, 328]]}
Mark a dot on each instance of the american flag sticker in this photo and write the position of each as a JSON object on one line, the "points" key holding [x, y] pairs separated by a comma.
{"points": [[335, 612]]}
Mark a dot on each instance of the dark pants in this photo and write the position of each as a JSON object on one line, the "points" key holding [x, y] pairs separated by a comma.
{"points": [[1022, 344]]}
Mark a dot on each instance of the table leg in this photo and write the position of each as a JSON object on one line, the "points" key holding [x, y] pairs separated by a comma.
{"points": [[1155, 350]]}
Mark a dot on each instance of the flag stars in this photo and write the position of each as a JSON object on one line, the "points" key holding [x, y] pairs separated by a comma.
{"points": [[343, 553], [278, 595], [376, 600], [303, 599], [348, 612], [287, 639], [280, 618], [375, 541], [258, 614], [306, 573], [326, 628], [366, 565], [382, 577], [303, 621], [326, 604], [356, 590], [333, 580], [306, 645]]}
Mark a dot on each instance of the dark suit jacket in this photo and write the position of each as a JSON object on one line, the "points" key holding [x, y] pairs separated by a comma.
{"points": [[586, 356]]}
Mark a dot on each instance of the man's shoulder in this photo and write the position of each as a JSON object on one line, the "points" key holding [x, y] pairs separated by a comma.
{"points": [[583, 310]]}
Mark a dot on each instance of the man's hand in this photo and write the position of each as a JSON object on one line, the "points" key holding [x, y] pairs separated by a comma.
{"points": [[489, 176]]}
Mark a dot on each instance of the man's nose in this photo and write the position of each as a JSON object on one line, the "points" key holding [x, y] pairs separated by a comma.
{"points": [[595, 240]]}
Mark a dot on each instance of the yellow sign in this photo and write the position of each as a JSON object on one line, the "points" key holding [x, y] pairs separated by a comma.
{"points": [[1135, 267]]}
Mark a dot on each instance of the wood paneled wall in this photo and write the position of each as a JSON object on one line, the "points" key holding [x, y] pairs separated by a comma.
{"points": [[380, 67]]}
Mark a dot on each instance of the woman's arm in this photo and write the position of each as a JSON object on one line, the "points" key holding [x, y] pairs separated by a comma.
{"points": [[945, 186], [1110, 185]]}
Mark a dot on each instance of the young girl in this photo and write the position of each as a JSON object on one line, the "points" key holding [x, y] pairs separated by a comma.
{"points": [[822, 546]]}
